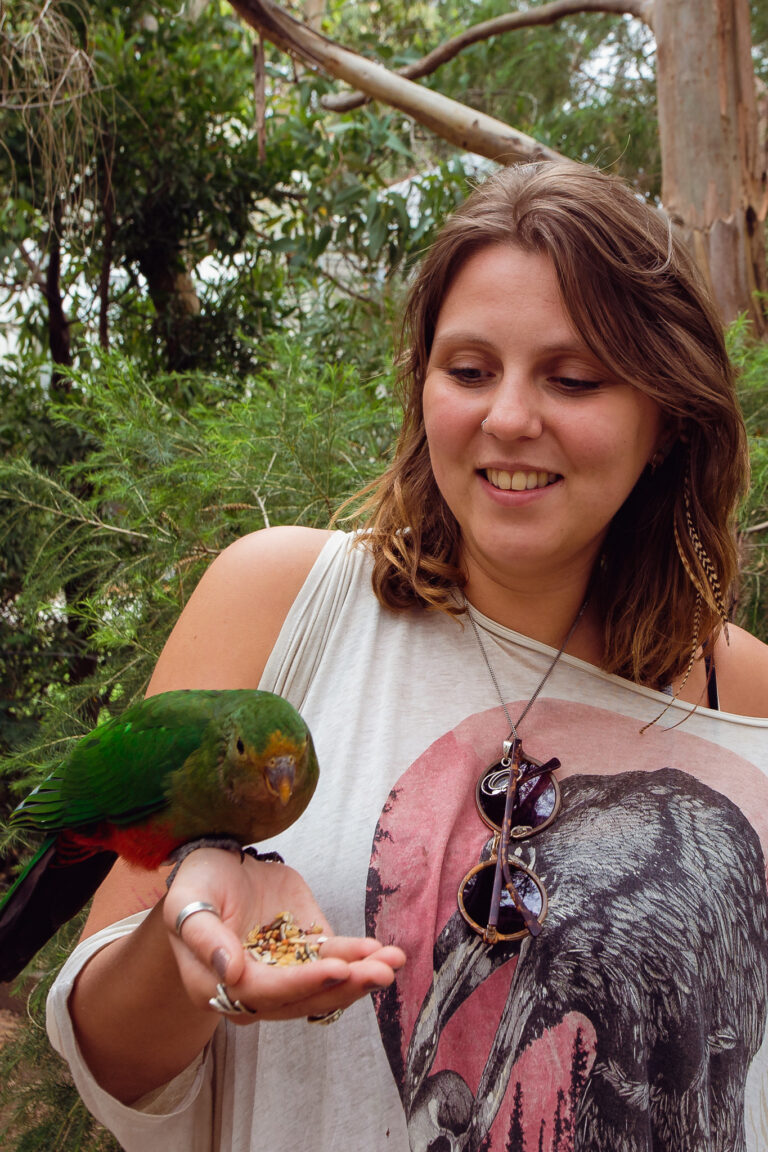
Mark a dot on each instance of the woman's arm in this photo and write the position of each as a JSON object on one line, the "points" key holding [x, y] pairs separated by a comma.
{"points": [[140, 1005]]}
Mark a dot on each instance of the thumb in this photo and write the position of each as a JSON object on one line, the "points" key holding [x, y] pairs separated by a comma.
{"points": [[201, 937]]}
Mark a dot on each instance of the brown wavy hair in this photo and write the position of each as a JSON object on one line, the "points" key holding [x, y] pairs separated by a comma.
{"points": [[635, 297]]}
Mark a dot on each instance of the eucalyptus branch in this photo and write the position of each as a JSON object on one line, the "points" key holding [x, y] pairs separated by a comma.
{"points": [[511, 21], [326, 275], [460, 125]]}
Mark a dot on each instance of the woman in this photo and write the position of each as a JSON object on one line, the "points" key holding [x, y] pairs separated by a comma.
{"points": [[544, 576]]}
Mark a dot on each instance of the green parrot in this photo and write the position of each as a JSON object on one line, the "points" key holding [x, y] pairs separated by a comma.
{"points": [[177, 767]]}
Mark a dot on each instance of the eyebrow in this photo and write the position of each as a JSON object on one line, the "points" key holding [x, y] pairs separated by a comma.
{"points": [[468, 337]]}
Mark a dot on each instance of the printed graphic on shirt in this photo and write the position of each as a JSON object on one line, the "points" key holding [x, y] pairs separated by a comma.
{"points": [[634, 1021]]}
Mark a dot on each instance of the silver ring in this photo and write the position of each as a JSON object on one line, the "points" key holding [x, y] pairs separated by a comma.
{"points": [[222, 1002], [190, 909], [326, 1017]]}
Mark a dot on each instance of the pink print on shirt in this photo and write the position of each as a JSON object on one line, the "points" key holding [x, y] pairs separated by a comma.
{"points": [[630, 1023]]}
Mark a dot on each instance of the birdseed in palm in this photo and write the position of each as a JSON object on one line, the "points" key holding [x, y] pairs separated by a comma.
{"points": [[283, 942]]}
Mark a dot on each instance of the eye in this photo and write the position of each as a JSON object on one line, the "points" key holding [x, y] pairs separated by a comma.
{"points": [[576, 383], [469, 375], [240, 746]]}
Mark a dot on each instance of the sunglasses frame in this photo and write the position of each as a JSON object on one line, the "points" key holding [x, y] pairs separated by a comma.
{"points": [[537, 772], [520, 769]]}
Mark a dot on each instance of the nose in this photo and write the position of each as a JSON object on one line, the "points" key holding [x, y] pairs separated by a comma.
{"points": [[514, 411]]}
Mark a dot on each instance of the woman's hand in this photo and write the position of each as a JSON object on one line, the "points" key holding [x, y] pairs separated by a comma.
{"points": [[210, 950]]}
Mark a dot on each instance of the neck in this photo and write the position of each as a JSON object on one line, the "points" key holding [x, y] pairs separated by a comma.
{"points": [[545, 613]]}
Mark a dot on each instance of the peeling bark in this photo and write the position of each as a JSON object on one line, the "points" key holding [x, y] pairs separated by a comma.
{"points": [[713, 170]]}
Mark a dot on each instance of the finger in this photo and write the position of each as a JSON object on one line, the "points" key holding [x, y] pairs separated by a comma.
{"points": [[352, 948], [317, 1001], [277, 992], [206, 950]]}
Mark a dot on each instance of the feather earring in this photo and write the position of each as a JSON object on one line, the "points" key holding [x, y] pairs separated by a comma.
{"points": [[712, 592], [707, 588]]}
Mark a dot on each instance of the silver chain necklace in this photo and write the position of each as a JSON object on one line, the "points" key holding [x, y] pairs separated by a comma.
{"points": [[513, 736]]}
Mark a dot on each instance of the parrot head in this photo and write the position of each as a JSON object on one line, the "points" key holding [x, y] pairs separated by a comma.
{"points": [[270, 767]]}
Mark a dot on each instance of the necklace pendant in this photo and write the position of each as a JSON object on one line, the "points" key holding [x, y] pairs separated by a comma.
{"points": [[511, 750], [537, 794]]}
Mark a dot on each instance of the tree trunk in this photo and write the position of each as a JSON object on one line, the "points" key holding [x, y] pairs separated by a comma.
{"points": [[713, 170]]}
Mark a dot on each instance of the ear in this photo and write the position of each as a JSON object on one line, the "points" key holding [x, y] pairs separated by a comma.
{"points": [[671, 430]]}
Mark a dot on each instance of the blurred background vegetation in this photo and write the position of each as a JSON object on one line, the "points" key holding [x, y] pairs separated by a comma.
{"points": [[198, 305]]}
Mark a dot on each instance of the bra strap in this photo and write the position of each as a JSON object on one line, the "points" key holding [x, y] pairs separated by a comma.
{"points": [[713, 699]]}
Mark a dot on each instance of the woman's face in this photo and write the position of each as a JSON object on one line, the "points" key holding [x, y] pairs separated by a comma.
{"points": [[563, 442]]}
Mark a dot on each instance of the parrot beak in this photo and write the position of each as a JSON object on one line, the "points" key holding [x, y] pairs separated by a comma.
{"points": [[280, 777]]}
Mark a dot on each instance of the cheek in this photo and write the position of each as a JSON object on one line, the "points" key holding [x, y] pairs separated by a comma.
{"points": [[443, 427], [623, 442]]}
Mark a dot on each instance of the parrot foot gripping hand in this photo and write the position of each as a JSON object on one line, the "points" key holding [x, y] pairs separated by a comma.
{"points": [[227, 843]]}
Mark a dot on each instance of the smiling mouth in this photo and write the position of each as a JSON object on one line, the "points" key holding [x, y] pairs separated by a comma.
{"points": [[519, 481]]}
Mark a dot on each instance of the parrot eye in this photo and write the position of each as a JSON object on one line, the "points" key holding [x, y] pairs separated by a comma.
{"points": [[240, 746]]}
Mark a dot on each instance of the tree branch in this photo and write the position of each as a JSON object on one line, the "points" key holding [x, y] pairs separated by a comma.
{"points": [[38, 278], [460, 125], [108, 212], [509, 22]]}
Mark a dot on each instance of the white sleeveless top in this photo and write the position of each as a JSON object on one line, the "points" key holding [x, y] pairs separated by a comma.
{"points": [[635, 1021]]}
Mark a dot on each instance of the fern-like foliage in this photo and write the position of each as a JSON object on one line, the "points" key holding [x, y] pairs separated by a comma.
{"points": [[751, 357], [175, 469], [40, 1107]]}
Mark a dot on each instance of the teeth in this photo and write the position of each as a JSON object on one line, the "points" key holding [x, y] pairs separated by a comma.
{"points": [[519, 481]]}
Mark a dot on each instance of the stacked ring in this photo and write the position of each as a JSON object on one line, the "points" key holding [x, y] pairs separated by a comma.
{"points": [[222, 1002]]}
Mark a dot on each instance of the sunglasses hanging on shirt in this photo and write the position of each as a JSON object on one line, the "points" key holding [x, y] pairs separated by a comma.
{"points": [[517, 796]]}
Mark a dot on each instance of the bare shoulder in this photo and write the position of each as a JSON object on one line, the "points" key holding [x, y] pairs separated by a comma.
{"points": [[741, 663], [233, 618], [287, 551]]}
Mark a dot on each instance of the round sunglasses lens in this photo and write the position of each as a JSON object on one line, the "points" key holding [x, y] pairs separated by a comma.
{"points": [[476, 892], [536, 799]]}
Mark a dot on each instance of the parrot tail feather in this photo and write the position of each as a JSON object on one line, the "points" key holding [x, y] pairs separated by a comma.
{"points": [[41, 900]]}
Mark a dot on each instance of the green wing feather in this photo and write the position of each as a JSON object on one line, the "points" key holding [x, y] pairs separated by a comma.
{"points": [[118, 772]]}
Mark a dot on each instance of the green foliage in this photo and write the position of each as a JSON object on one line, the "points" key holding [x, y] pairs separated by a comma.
{"points": [[163, 488], [751, 357], [39, 1105], [584, 85], [760, 38], [177, 467]]}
